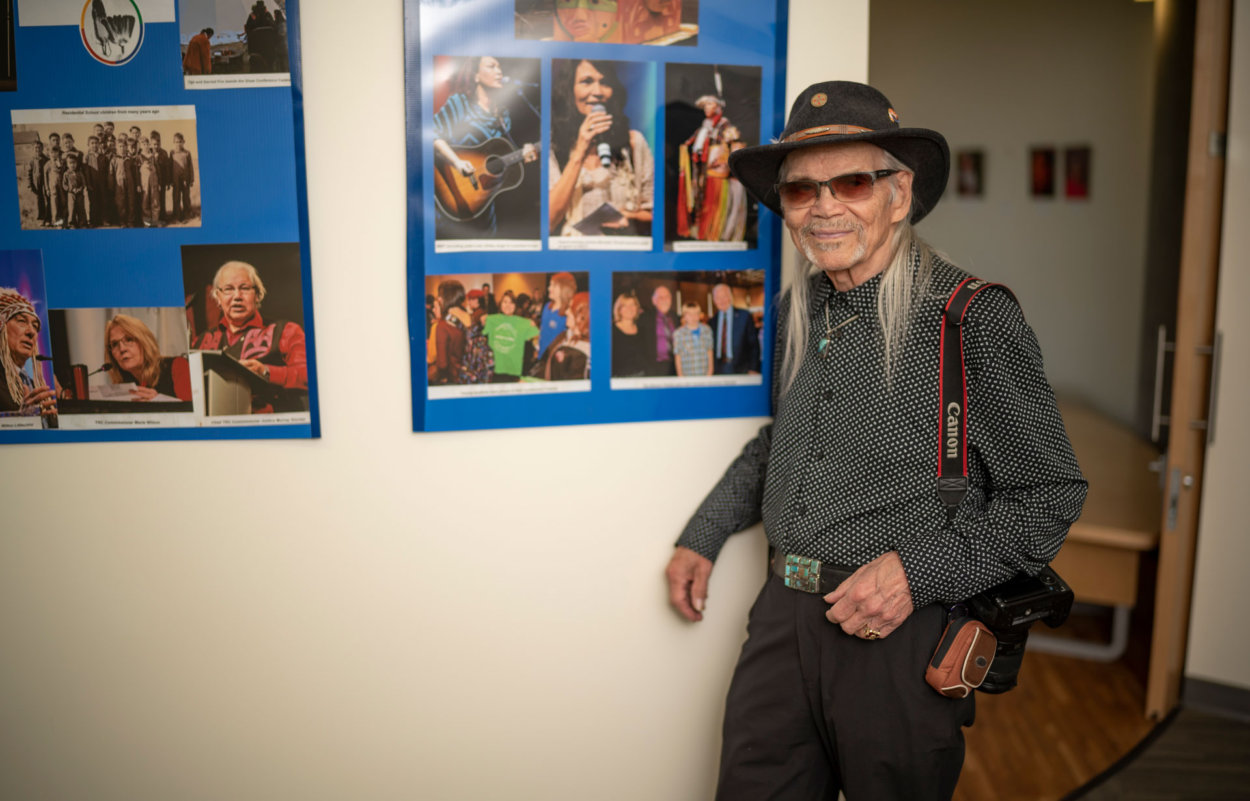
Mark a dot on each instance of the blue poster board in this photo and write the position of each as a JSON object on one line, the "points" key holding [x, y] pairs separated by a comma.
{"points": [[578, 252], [166, 249]]}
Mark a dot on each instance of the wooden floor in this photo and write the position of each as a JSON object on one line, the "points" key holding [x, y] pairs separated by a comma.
{"points": [[1067, 721]]}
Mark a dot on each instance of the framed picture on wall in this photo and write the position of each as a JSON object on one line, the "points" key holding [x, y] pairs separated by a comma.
{"points": [[1076, 172], [158, 229], [970, 173], [575, 239], [1042, 171]]}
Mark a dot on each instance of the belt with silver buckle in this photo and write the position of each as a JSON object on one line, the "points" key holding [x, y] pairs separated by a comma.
{"points": [[808, 575]]}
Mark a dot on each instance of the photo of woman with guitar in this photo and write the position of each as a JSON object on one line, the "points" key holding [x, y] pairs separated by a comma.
{"points": [[481, 149], [602, 170]]}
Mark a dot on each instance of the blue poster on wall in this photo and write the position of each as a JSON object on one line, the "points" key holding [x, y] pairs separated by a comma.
{"points": [[154, 272], [578, 251]]}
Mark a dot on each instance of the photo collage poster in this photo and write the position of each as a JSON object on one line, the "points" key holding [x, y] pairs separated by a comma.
{"points": [[578, 250], [154, 272]]}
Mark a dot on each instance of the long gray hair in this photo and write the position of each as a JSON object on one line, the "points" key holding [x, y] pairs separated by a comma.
{"points": [[900, 287]]}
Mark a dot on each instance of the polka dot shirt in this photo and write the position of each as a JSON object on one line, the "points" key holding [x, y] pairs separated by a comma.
{"points": [[848, 468]]}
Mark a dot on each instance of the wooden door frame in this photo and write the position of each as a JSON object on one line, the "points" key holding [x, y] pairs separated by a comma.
{"points": [[1195, 326]]}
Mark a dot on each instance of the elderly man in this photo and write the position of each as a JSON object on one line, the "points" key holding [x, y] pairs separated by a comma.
{"points": [[829, 693], [737, 344], [272, 350], [19, 342]]}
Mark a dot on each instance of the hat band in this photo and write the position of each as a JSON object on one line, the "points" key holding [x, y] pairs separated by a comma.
{"points": [[824, 130]]}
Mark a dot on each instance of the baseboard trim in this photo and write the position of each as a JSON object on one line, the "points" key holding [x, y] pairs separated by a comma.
{"points": [[1215, 698]]}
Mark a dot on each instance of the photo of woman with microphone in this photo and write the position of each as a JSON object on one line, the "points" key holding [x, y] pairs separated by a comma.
{"points": [[601, 170]]}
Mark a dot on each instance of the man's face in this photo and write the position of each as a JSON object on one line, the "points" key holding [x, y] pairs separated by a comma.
{"points": [[135, 132], [156, 139], [722, 297], [589, 88], [125, 350], [662, 299], [23, 333], [177, 143], [236, 295], [851, 238]]}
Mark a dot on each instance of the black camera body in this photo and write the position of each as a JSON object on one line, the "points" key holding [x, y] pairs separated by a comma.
{"points": [[1009, 610]]}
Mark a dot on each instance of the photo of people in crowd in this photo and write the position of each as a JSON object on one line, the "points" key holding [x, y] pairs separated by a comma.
{"points": [[710, 111], [601, 169], [245, 316], [507, 333], [686, 328], [28, 390], [126, 360], [84, 168], [647, 22], [233, 43], [487, 170]]}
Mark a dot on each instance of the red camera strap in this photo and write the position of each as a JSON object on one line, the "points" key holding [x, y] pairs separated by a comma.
{"points": [[953, 396]]}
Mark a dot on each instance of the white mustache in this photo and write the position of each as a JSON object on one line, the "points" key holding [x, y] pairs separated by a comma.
{"points": [[829, 228]]}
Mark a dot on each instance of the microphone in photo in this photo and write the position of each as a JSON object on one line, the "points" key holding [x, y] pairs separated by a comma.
{"points": [[602, 148], [518, 85]]}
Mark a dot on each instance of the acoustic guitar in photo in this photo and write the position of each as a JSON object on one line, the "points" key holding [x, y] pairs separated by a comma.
{"points": [[496, 168]]}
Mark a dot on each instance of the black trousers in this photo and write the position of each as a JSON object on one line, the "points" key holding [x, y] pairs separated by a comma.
{"points": [[812, 711]]}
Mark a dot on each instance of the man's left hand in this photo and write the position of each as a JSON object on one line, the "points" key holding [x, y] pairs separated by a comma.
{"points": [[876, 598]]}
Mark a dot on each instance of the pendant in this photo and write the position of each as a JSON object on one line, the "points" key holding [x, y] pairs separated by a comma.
{"points": [[824, 343]]}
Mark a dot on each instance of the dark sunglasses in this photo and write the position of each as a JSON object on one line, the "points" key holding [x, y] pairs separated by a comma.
{"points": [[849, 188]]}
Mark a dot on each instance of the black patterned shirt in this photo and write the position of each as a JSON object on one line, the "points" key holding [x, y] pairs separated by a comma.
{"points": [[848, 468]]}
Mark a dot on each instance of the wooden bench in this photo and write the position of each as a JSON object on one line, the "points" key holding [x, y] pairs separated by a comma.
{"points": [[1120, 522]]}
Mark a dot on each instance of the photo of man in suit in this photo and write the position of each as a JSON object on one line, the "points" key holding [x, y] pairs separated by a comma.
{"points": [[736, 347]]}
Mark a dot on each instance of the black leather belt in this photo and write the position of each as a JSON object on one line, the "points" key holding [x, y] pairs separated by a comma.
{"points": [[806, 574]]}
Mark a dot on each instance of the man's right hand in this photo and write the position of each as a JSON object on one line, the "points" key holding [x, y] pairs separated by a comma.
{"points": [[687, 574]]}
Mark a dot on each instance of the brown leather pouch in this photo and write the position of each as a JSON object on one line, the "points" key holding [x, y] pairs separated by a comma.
{"points": [[962, 658]]}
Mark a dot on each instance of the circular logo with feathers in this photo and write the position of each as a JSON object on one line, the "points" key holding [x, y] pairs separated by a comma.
{"points": [[112, 30]]}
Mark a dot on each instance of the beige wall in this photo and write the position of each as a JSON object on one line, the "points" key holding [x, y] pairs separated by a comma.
{"points": [[377, 614], [1003, 77], [1217, 651]]}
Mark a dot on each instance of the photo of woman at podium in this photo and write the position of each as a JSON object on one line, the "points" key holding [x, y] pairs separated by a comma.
{"points": [[115, 365], [134, 357], [252, 363]]}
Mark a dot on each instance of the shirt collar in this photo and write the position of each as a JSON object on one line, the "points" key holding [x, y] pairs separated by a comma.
{"points": [[252, 322], [860, 300]]}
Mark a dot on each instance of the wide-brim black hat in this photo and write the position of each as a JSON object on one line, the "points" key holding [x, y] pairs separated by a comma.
{"points": [[834, 112]]}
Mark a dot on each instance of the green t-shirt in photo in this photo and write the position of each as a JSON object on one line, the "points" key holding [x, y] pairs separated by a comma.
{"points": [[507, 334]]}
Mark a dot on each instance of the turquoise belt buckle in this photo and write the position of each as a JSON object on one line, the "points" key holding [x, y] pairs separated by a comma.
{"points": [[802, 573]]}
